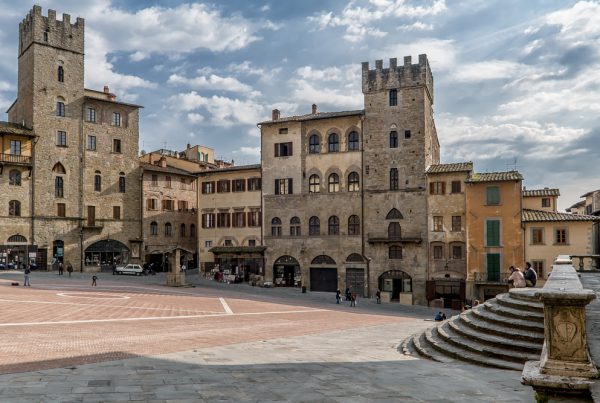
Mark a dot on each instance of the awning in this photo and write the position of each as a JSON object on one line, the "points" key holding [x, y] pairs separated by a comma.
{"points": [[237, 249]]}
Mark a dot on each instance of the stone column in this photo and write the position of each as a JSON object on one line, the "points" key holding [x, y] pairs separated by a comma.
{"points": [[175, 277]]}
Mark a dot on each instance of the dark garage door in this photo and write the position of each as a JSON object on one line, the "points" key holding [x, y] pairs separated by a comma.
{"points": [[322, 279], [355, 278]]}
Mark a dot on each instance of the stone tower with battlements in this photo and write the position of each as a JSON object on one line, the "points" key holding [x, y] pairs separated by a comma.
{"points": [[400, 142], [85, 176]]}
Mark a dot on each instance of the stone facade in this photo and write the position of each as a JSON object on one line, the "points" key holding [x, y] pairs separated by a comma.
{"points": [[229, 236], [395, 141], [85, 190]]}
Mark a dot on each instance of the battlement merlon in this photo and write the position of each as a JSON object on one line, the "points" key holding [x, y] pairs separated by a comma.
{"points": [[406, 75], [47, 30]]}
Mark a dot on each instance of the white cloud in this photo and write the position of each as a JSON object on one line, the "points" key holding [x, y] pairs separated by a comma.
{"points": [[489, 70], [253, 151], [582, 21], [348, 73], [5, 86], [441, 53], [214, 82], [309, 92], [195, 118], [417, 26]]}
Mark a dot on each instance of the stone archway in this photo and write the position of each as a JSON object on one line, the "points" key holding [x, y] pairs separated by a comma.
{"points": [[286, 271]]}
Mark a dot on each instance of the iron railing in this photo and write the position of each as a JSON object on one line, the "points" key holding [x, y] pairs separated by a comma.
{"points": [[15, 159], [491, 277]]}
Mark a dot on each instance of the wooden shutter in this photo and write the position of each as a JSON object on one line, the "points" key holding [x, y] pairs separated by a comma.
{"points": [[443, 188], [243, 220], [290, 149], [493, 266], [290, 186], [277, 186], [277, 149], [431, 184], [493, 233]]}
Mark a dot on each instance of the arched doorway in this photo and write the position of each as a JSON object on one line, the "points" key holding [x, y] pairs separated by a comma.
{"points": [[323, 274], [286, 272], [106, 252], [355, 273], [15, 252], [396, 282]]}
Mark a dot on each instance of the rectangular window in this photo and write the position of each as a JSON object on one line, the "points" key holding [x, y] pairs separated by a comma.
{"points": [[208, 187], [116, 146], [284, 186], [283, 149], [239, 219], [537, 236], [168, 182], [393, 97], [227, 242], [208, 220], [456, 187], [223, 186], [223, 220], [116, 212], [116, 119], [208, 244], [438, 223], [121, 184], [283, 130], [538, 266], [394, 185], [493, 267], [492, 232], [151, 204], [457, 252], [90, 115], [438, 252], [406, 134], [546, 202], [168, 205], [456, 223], [560, 236], [254, 218], [61, 138], [97, 183], [182, 205], [239, 185], [252, 242], [91, 143], [254, 184], [91, 216], [492, 195], [437, 188], [61, 209], [154, 180], [15, 147]]}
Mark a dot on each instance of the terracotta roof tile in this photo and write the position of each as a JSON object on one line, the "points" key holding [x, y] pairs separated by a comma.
{"points": [[13, 128], [541, 192], [495, 176], [539, 216], [453, 167], [310, 116]]}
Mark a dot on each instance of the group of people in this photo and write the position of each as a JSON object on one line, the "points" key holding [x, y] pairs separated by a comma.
{"points": [[519, 279], [350, 296], [61, 269]]}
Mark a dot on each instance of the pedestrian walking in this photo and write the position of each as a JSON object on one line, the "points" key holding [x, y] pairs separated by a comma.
{"points": [[94, 278], [353, 300], [114, 268], [348, 294], [378, 295], [338, 296], [27, 273], [530, 275], [61, 269], [69, 269]]}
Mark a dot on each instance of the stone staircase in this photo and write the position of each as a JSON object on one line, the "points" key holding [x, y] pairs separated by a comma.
{"points": [[504, 332]]}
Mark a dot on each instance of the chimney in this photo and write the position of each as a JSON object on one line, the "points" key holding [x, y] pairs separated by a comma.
{"points": [[106, 90], [188, 146], [275, 114], [163, 162], [314, 109]]}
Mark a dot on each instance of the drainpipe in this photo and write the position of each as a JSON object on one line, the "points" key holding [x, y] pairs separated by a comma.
{"points": [[32, 207], [362, 209], [81, 173]]}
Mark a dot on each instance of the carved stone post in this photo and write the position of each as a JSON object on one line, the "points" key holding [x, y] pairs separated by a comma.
{"points": [[175, 277]]}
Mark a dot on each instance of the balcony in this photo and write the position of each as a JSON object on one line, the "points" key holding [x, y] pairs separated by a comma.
{"points": [[384, 238], [15, 159], [491, 278]]}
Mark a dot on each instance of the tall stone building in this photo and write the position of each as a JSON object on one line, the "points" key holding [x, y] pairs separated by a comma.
{"points": [[85, 188], [344, 193]]}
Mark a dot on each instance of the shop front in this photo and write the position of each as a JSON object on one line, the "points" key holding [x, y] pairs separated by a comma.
{"points": [[398, 286], [286, 272], [106, 252], [17, 252], [239, 263]]}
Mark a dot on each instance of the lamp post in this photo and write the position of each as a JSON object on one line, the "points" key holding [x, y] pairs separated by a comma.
{"points": [[368, 259]]}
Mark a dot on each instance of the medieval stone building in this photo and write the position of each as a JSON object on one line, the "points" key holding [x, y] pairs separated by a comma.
{"points": [[83, 203]]}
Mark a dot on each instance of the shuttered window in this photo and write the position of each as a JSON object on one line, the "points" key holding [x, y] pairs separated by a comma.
{"points": [[492, 232]]}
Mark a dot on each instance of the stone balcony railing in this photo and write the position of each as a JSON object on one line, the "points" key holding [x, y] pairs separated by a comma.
{"points": [[385, 238], [582, 259], [15, 159], [491, 278], [565, 367]]}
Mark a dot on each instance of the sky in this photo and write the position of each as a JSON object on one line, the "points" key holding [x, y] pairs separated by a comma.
{"points": [[516, 83]]}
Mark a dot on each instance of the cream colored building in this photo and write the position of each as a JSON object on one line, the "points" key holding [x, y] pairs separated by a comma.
{"points": [[84, 204], [229, 236], [447, 223]]}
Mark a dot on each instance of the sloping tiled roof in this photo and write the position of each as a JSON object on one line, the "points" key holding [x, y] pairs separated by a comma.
{"points": [[229, 169], [577, 205], [495, 176], [541, 192], [538, 215], [453, 167], [13, 128], [156, 168], [589, 193], [310, 116]]}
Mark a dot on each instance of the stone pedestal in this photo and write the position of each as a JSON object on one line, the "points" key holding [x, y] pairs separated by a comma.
{"points": [[175, 277]]}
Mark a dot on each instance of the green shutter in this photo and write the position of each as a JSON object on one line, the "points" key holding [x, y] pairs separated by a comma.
{"points": [[493, 195], [493, 267], [493, 233]]}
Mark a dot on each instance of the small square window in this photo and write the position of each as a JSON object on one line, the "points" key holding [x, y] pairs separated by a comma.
{"points": [[283, 130], [493, 195], [116, 119], [207, 244], [116, 146], [91, 145], [117, 212], [61, 210], [456, 187], [406, 134], [546, 202], [61, 139]]}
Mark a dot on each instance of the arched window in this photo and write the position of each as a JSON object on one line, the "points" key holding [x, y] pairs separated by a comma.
{"points": [[314, 226], [122, 182], [333, 225], [98, 181], [14, 178], [393, 139], [333, 143], [353, 225], [60, 108], [395, 252], [14, 208], [295, 226], [334, 183], [58, 168], [394, 179], [352, 141], [193, 230], [313, 144], [394, 230], [314, 184], [153, 228], [61, 74], [394, 214], [58, 187], [182, 230], [168, 229], [276, 226], [17, 239], [353, 182]]}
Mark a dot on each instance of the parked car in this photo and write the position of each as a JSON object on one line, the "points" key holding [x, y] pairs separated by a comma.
{"points": [[130, 269]]}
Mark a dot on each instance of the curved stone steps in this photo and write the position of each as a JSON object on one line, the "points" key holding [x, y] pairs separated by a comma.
{"points": [[511, 322], [423, 348], [483, 326], [433, 338], [504, 353], [515, 303], [514, 313]]}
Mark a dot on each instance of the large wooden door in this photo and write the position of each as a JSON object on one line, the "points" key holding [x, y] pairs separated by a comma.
{"points": [[355, 278], [323, 279]]}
